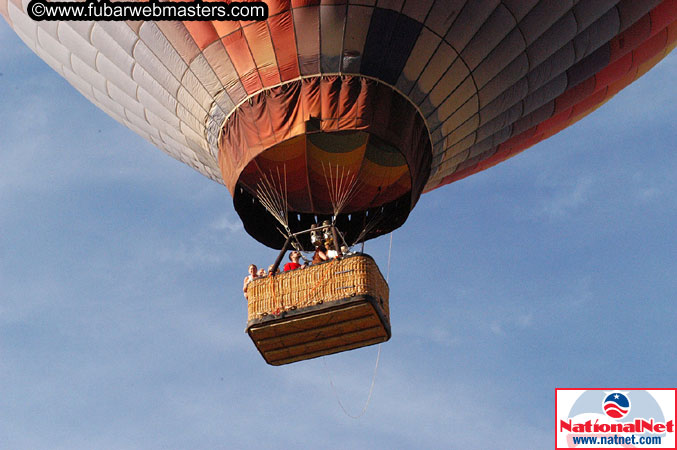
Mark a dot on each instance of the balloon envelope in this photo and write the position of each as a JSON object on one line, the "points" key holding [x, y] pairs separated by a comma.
{"points": [[355, 107]]}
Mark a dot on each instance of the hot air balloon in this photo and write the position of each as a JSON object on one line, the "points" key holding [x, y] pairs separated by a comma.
{"points": [[348, 111]]}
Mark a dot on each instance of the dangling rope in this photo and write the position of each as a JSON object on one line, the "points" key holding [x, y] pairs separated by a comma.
{"points": [[378, 357], [371, 388], [390, 250]]}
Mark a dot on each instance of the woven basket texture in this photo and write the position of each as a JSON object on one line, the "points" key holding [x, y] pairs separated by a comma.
{"points": [[321, 283]]}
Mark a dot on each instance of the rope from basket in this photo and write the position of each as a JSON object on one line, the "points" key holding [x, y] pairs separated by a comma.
{"points": [[273, 279], [378, 357], [371, 388], [272, 288], [390, 249], [319, 283]]}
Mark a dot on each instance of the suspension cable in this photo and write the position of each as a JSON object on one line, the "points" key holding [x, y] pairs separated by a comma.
{"points": [[390, 250], [273, 196]]}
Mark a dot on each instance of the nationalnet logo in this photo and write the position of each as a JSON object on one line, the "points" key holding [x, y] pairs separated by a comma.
{"points": [[616, 405], [615, 418]]}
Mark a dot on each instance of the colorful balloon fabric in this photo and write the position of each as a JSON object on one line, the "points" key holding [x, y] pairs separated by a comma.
{"points": [[355, 107]]}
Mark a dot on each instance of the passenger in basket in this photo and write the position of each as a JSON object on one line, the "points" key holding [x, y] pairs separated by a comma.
{"points": [[331, 251], [262, 272], [270, 270], [252, 275], [294, 256], [320, 254], [346, 251]]}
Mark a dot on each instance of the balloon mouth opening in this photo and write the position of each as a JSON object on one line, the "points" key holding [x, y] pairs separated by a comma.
{"points": [[351, 177], [355, 226], [348, 149]]}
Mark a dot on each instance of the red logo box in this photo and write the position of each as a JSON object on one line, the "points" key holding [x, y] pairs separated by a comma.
{"points": [[615, 418]]}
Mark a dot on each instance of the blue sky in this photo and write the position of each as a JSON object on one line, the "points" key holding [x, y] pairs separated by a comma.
{"points": [[122, 318]]}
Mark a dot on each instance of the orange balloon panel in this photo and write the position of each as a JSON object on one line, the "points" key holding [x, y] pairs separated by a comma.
{"points": [[451, 86], [322, 172]]}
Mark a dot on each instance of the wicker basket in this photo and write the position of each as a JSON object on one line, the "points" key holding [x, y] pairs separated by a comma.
{"points": [[326, 308]]}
